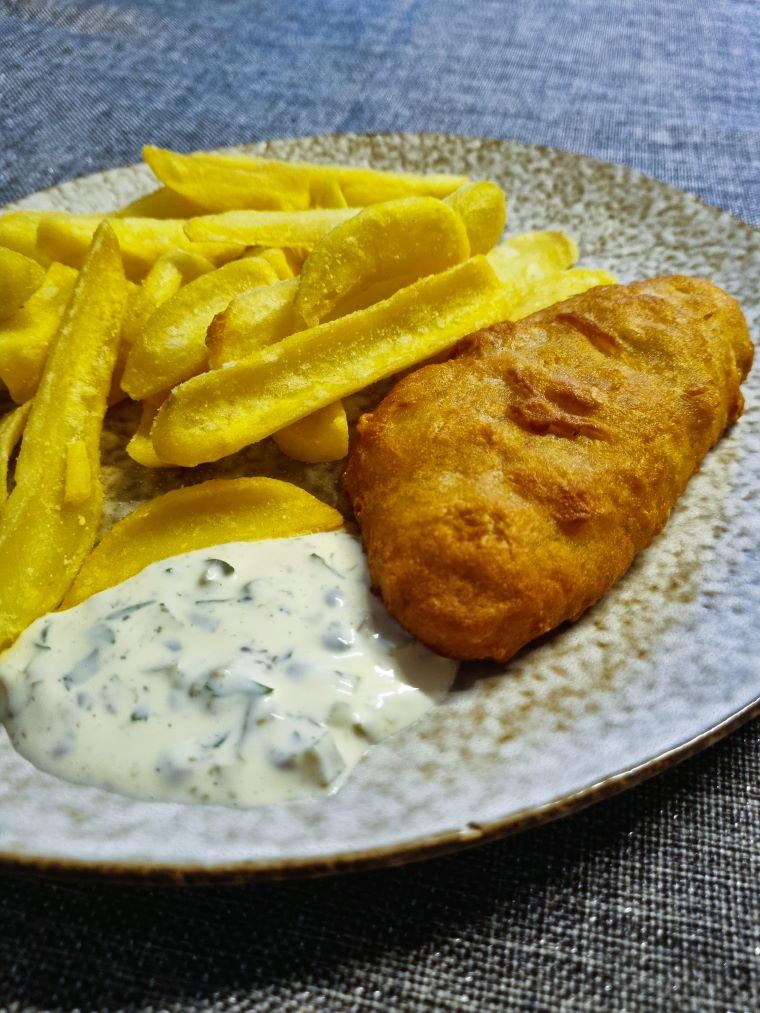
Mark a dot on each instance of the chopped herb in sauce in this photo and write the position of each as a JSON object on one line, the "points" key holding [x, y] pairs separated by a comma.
{"points": [[233, 705]]}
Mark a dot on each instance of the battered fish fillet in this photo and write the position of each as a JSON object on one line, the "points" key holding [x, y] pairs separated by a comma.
{"points": [[505, 490]]}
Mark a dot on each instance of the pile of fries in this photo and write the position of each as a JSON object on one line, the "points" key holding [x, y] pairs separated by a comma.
{"points": [[244, 298]]}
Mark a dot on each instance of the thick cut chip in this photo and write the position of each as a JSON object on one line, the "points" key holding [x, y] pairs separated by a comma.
{"points": [[327, 194], [18, 231], [172, 345], [162, 203], [20, 277], [267, 228], [142, 240], [224, 186], [390, 244], [557, 287], [220, 412], [276, 257], [321, 436], [25, 338], [228, 181], [530, 256], [170, 272], [482, 207], [43, 540], [77, 486], [211, 513], [253, 320], [11, 428], [140, 447]]}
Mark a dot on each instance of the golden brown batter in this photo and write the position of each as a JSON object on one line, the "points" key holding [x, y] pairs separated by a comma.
{"points": [[505, 490]]}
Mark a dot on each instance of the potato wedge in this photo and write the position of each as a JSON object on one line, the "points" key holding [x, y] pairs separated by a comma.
{"points": [[244, 181], [224, 410], [20, 277], [321, 436], [25, 338], [390, 244], [276, 257], [360, 181], [482, 207], [213, 512], [161, 203], [43, 540], [140, 447], [530, 256], [18, 231], [267, 228], [253, 320], [172, 345], [66, 238], [170, 272], [327, 193], [77, 483], [558, 287], [218, 184], [11, 428]]}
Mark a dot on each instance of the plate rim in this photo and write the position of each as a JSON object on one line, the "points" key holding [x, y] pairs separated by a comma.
{"points": [[426, 847], [426, 135], [407, 853]]}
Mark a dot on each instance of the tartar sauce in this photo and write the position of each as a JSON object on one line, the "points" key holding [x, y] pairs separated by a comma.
{"points": [[245, 674]]}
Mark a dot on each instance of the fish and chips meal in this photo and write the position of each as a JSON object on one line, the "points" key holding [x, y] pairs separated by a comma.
{"points": [[543, 422]]}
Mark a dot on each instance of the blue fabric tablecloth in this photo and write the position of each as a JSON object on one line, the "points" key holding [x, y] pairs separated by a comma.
{"points": [[672, 88], [648, 902]]}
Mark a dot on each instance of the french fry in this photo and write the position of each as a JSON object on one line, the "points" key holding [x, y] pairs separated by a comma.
{"points": [[253, 320], [170, 272], [327, 194], [213, 512], [11, 428], [276, 257], [321, 436], [558, 287], [77, 483], [530, 256], [244, 181], [295, 256], [161, 203], [18, 231], [43, 540], [25, 338], [483, 209], [387, 245], [267, 228], [224, 410], [20, 277], [142, 240], [172, 345], [220, 185], [140, 447]]}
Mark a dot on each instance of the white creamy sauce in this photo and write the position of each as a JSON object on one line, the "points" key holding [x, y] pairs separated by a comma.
{"points": [[248, 673]]}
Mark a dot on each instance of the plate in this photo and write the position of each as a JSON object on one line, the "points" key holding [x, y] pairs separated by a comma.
{"points": [[665, 664]]}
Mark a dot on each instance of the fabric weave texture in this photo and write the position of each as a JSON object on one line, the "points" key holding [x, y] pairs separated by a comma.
{"points": [[648, 902]]}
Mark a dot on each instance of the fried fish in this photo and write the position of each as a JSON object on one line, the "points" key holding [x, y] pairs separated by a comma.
{"points": [[503, 491]]}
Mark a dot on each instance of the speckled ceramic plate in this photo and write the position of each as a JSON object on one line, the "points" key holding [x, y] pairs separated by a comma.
{"points": [[666, 663]]}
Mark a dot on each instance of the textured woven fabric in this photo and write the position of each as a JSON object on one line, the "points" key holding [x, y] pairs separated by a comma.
{"points": [[647, 902]]}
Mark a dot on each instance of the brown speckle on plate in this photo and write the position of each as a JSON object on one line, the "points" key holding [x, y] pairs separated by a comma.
{"points": [[663, 666]]}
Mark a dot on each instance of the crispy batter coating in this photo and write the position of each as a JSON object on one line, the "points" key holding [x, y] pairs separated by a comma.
{"points": [[505, 490]]}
